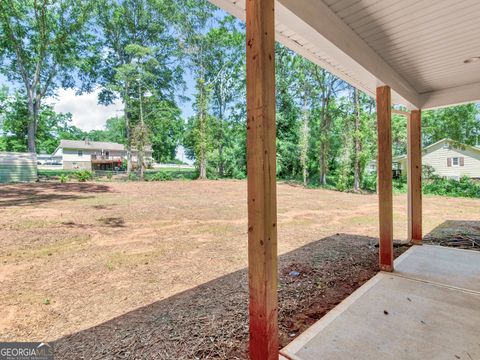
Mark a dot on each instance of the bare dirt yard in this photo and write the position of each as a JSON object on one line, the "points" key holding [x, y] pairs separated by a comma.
{"points": [[157, 270]]}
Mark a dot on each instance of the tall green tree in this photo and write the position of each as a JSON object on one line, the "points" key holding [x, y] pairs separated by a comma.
{"points": [[51, 126], [147, 24], [45, 44], [195, 23], [328, 110], [288, 114], [114, 131], [459, 123], [225, 73]]}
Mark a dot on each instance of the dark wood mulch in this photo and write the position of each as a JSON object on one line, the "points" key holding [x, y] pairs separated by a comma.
{"points": [[211, 322]]}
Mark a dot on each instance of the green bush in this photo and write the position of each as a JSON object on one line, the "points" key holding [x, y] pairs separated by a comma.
{"points": [[132, 176], [52, 174], [464, 187], [369, 182], [109, 175], [159, 176], [63, 178], [84, 175]]}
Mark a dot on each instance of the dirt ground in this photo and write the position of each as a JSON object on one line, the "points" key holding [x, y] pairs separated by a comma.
{"points": [[157, 270]]}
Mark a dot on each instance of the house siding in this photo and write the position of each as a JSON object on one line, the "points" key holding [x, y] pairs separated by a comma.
{"points": [[18, 167], [437, 156], [77, 165]]}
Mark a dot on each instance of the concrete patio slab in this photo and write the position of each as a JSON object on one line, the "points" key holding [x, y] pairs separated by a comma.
{"points": [[402, 316], [437, 264]]}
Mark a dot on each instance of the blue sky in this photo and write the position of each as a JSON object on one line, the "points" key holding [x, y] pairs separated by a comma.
{"points": [[87, 114]]}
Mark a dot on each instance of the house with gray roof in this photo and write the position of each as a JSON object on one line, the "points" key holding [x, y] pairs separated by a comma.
{"points": [[95, 155]]}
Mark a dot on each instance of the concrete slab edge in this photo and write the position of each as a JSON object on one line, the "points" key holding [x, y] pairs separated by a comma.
{"points": [[295, 346]]}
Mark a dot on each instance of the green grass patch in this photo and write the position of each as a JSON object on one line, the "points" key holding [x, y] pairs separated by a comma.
{"points": [[173, 173]]}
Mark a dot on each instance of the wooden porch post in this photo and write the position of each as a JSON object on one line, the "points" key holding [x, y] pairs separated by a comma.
{"points": [[384, 169], [414, 174], [261, 169]]}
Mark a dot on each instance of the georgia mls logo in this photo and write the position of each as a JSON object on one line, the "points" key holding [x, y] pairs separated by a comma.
{"points": [[26, 351]]}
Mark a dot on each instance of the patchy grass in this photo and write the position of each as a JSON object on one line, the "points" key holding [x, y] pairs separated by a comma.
{"points": [[98, 251], [66, 245]]}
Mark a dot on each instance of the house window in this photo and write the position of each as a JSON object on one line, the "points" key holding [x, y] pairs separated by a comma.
{"points": [[80, 152], [455, 161]]}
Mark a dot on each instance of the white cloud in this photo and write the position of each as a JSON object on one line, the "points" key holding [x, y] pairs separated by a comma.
{"points": [[87, 114]]}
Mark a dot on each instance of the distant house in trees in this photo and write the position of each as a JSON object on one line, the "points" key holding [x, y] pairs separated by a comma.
{"points": [[94, 155], [449, 159]]}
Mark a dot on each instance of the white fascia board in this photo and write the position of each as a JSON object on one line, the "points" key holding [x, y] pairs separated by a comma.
{"points": [[230, 7], [314, 21], [346, 55], [449, 97]]}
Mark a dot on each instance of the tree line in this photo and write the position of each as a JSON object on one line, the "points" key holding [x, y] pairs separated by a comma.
{"points": [[142, 51]]}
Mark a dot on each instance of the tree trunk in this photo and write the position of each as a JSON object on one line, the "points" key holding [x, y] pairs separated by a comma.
{"points": [[304, 142], [357, 141], [203, 132], [221, 165], [203, 166], [141, 144], [323, 164], [127, 130], [31, 135], [33, 113], [202, 152]]}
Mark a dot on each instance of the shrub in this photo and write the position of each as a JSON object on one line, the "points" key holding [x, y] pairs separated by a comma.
{"points": [[369, 182], [160, 176], [84, 175], [464, 187], [109, 175], [63, 178], [132, 176]]}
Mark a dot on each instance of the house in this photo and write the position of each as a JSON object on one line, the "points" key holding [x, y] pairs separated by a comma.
{"points": [[449, 159], [396, 167], [47, 159], [94, 155]]}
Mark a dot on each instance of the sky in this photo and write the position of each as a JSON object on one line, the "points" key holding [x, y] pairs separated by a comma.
{"points": [[88, 115]]}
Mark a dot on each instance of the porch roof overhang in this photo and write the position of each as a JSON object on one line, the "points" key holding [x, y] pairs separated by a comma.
{"points": [[418, 48]]}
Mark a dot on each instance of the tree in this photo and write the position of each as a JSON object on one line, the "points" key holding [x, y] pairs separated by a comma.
{"points": [[196, 18], [140, 76], [51, 126], [288, 114], [144, 24], [44, 45], [114, 131], [225, 72], [459, 123], [330, 86], [306, 94]]}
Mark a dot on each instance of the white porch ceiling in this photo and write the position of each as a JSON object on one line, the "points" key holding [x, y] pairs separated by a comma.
{"points": [[418, 47]]}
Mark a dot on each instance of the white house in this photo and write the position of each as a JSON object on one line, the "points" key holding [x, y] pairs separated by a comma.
{"points": [[449, 159], [94, 155]]}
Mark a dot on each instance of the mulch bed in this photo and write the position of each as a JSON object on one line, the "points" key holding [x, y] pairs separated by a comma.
{"points": [[211, 321], [455, 233]]}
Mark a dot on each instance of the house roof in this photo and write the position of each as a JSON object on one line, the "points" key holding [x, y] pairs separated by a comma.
{"points": [[91, 145], [94, 145], [418, 48], [474, 148]]}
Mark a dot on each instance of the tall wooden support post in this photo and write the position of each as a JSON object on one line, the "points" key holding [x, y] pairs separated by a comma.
{"points": [[261, 169], [384, 169], [414, 174]]}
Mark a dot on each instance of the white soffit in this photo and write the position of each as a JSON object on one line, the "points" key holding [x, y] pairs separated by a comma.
{"points": [[417, 47]]}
